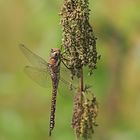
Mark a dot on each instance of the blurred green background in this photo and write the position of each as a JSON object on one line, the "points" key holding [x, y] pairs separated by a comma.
{"points": [[25, 106]]}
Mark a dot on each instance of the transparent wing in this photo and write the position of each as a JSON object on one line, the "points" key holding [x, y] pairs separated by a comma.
{"points": [[42, 77], [40, 74], [66, 84], [33, 58]]}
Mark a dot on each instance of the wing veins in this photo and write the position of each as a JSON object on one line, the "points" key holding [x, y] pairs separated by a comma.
{"points": [[40, 76], [33, 58]]}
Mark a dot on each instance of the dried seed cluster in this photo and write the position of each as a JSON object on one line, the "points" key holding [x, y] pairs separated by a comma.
{"points": [[79, 49], [84, 116], [79, 42]]}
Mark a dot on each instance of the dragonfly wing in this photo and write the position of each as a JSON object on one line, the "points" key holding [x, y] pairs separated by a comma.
{"points": [[33, 58], [41, 77], [65, 82], [68, 84], [67, 77]]}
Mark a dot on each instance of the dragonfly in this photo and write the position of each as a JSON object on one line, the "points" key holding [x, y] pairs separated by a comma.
{"points": [[42, 71]]}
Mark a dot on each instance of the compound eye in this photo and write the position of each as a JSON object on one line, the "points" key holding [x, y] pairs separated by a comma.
{"points": [[55, 54]]}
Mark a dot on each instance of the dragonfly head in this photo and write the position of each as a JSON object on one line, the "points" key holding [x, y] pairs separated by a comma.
{"points": [[54, 55]]}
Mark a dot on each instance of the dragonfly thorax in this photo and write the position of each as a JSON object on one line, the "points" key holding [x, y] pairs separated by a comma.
{"points": [[54, 56]]}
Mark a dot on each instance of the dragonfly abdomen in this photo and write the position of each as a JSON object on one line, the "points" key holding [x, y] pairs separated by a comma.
{"points": [[55, 80], [53, 108]]}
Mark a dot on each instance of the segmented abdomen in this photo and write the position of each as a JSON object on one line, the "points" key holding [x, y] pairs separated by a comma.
{"points": [[53, 108], [55, 80]]}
